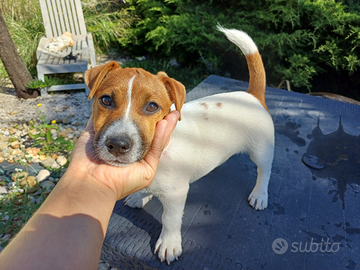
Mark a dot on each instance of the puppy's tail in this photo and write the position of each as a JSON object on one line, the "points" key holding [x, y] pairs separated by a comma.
{"points": [[257, 82]]}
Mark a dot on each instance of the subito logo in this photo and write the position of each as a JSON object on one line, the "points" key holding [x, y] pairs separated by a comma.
{"points": [[280, 246]]}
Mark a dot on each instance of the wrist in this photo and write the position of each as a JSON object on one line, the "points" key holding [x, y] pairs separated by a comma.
{"points": [[78, 194]]}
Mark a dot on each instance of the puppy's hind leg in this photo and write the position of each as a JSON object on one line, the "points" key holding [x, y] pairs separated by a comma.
{"points": [[259, 196], [138, 199]]}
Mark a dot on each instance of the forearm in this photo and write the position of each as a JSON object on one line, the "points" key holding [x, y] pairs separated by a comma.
{"points": [[67, 230]]}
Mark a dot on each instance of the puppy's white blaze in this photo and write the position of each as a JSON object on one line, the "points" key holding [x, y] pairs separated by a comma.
{"points": [[241, 39], [129, 92]]}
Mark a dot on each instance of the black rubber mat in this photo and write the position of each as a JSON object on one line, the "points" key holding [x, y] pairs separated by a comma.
{"points": [[312, 221]]}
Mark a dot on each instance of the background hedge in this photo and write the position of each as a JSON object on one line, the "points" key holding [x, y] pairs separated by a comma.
{"points": [[313, 44]]}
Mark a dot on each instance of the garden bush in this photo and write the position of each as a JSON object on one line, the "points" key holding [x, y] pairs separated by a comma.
{"points": [[313, 44]]}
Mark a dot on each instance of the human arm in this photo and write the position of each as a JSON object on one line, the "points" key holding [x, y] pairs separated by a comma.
{"points": [[68, 229]]}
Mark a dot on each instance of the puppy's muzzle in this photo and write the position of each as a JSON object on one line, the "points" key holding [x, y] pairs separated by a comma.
{"points": [[118, 146]]}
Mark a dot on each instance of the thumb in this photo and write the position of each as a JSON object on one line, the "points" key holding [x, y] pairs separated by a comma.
{"points": [[164, 128]]}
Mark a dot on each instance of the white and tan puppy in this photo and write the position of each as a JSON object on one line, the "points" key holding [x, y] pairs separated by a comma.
{"points": [[128, 104]]}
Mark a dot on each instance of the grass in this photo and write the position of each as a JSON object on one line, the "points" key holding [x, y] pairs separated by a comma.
{"points": [[17, 206], [43, 137]]}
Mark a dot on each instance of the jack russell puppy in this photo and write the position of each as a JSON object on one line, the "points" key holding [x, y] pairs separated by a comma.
{"points": [[128, 104]]}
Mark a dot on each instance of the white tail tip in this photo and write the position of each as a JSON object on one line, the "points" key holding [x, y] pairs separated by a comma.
{"points": [[241, 39]]}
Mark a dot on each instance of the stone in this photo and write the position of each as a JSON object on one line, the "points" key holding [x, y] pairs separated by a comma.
{"points": [[59, 109], [54, 156], [32, 151], [54, 136], [2, 159], [42, 157], [48, 162], [30, 181], [61, 160], [47, 186], [16, 152], [62, 134], [4, 138], [31, 198], [42, 175], [66, 120], [33, 131], [39, 200], [77, 123], [16, 190], [3, 190], [19, 176], [15, 145], [55, 165], [5, 238], [3, 145], [14, 112], [35, 160]]}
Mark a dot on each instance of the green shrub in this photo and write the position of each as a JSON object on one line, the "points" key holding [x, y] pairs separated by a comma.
{"points": [[302, 41]]}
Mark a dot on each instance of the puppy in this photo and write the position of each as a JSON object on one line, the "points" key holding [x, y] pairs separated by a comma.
{"points": [[128, 104]]}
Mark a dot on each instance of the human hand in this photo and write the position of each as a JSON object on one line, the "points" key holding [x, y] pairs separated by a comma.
{"points": [[122, 181]]}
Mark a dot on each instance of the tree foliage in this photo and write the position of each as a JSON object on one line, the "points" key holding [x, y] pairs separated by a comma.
{"points": [[312, 43]]}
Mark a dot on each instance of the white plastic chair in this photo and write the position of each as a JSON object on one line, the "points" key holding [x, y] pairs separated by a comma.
{"points": [[60, 16]]}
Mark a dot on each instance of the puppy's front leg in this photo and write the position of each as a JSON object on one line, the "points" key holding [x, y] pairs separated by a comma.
{"points": [[169, 243]]}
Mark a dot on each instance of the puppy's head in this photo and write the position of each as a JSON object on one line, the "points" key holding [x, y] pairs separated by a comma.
{"points": [[127, 105]]}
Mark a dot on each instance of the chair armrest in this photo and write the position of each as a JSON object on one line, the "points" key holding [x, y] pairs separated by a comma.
{"points": [[42, 44], [90, 42]]}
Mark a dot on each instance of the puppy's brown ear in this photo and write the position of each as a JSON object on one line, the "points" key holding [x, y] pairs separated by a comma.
{"points": [[175, 89], [95, 76]]}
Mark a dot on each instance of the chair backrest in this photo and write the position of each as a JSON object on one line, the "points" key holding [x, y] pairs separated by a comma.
{"points": [[63, 15]]}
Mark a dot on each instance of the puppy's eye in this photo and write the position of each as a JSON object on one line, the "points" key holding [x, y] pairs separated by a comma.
{"points": [[152, 107], [106, 101]]}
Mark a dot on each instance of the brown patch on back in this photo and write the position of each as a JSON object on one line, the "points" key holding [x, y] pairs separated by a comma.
{"points": [[257, 82], [204, 104], [218, 104]]}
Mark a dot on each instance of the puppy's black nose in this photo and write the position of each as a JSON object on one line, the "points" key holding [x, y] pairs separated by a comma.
{"points": [[119, 145]]}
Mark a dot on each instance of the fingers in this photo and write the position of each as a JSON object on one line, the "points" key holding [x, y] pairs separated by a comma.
{"points": [[164, 128], [89, 126], [172, 119]]}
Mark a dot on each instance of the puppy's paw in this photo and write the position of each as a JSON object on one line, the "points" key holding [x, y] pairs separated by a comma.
{"points": [[137, 200], [169, 247], [258, 199]]}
